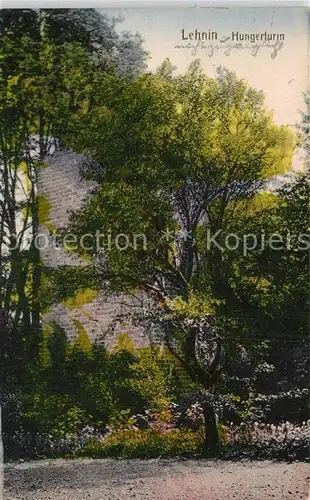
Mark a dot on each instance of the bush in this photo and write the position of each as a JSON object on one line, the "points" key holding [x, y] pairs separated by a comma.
{"points": [[54, 414], [11, 410], [147, 443], [258, 441], [157, 378], [131, 403], [22, 444], [287, 441], [274, 408]]}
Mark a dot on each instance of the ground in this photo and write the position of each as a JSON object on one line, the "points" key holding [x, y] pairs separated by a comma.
{"points": [[156, 480]]}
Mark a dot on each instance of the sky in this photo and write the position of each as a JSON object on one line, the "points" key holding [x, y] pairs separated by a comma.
{"points": [[282, 78]]}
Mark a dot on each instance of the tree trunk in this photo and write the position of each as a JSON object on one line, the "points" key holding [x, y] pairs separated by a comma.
{"points": [[37, 271], [212, 442]]}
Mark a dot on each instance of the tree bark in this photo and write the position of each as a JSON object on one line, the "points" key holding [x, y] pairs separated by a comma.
{"points": [[212, 441]]}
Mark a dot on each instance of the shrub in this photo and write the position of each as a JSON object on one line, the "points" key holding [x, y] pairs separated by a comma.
{"points": [[274, 408], [11, 410], [147, 443], [54, 414], [149, 380], [259, 441], [22, 444], [157, 378], [159, 421], [287, 441]]}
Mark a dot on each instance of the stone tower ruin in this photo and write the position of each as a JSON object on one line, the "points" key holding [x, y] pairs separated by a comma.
{"points": [[61, 190]]}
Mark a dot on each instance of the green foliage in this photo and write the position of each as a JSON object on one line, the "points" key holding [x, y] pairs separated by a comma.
{"points": [[158, 378], [276, 280], [150, 379], [185, 152], [71, 281], [81, 384], [160, 151], [184, 148], [82, 341], [161, 131], [55, 414], [82, 297], [71, 390], [44, 351], [145, 444], [195, 306], [44, 207], [58, 347], [88, 28], [46, 289], [124, 343]]}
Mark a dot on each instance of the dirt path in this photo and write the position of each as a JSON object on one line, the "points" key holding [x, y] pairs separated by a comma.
{"points": [[156, 480]]}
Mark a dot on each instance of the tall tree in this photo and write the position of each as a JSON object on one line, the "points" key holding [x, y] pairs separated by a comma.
{"points": [[175, 157], [46, 84], [51, 60], [94, 31]]}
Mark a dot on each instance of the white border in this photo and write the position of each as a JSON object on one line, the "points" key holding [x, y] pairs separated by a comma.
{"points": [[21, 4]]}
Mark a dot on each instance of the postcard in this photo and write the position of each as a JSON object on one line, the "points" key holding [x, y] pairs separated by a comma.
{"points": [[154, 264]]}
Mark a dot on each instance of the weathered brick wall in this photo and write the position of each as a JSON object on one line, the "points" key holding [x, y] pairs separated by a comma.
{"points": [[61, 186]]}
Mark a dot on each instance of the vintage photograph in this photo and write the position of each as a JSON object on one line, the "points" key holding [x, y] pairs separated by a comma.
{"points": [[154, 252]]}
